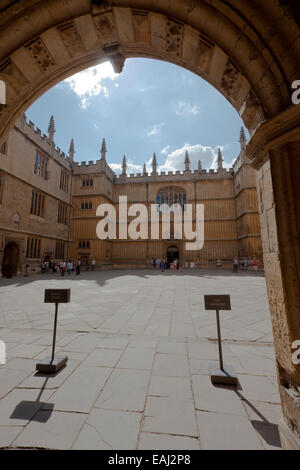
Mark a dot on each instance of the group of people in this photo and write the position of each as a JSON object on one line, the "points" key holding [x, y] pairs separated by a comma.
{"points": [[243, 264], [163, 264], [63, 266]]}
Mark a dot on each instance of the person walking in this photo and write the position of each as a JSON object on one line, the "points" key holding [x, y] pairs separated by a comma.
{"points": [[158, 263], [152, 262], [70, 267], [245, 264], [93, 264], [62, 267], [255, 265], [78, 264], [235, 264], [219, 263]]}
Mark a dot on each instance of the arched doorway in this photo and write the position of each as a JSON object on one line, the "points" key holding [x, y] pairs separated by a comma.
{"points": [[172, 253], [10, 260]]}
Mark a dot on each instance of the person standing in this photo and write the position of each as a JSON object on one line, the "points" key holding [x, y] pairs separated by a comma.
{"points": [[235, 264], [158, 263], [255, 265], [93, 264], [70, 267], [78, 263], [62, 267], [245, 264], [54, 267], [219, 263], [152, 262]]}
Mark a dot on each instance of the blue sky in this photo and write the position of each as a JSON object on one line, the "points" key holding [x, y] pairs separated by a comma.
{"points": [[152, 106]]}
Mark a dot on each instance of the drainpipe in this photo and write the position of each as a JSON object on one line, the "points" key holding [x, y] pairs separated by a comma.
{"points": [[70, 211]]}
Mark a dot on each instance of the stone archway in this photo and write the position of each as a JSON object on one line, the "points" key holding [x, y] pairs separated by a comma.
{"points": [[10, 260], [43, 44], [249, 51]]}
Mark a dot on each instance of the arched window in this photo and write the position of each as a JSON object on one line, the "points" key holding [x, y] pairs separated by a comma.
{"points": [[171, 195]]}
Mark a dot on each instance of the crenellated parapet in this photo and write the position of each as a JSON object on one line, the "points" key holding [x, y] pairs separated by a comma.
{"points": [[93, 167], [42, 141], [173, 177]]}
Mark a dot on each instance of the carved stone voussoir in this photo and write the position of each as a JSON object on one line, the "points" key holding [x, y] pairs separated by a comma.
{"points": [[12, 76], [106, 27], [41, 54], [231, 81], [174, 38], [71, 39]]}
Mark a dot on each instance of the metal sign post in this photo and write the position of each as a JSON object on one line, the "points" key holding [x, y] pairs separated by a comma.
{"points": [[224, 374], [53, 363]]}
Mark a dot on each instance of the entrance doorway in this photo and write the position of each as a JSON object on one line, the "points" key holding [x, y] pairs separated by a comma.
{"points": [[172, 253], [10, 260], [84, 262]]}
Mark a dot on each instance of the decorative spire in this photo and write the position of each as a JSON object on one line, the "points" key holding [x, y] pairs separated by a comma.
{"points": [[199, 166], [72, 150], [154, 164], [243, 140], [124, 166], [103, 150], [51, 129], [187, 161], [144, 170], [220, 160]]}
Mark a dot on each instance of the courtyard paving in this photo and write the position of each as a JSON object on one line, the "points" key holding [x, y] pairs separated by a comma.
{"points": [[139, 344]]}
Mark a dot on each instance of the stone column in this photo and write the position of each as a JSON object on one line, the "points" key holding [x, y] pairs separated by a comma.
{"points": [[275, 152]]}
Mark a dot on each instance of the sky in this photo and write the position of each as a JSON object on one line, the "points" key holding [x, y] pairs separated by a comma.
{"points": [[152, 106]]}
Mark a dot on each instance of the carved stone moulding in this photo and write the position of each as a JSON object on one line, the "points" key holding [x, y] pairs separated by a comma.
{"points": [[13, 78], [174, 34], [106, 27], [230, 82], [71, 38], [40, 54]]}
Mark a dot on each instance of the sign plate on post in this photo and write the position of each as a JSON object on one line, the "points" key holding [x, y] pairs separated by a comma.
{"points": [[221, 374], [57, 296], [54, 363], [217, 302]]}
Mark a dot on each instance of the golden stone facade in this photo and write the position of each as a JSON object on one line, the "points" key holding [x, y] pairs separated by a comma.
{"points": [[49, 206], [247, 50]]}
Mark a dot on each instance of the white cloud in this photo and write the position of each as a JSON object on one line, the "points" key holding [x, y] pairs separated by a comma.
{"points": [[183, 108], [165, 150], [155, 130], [131, 168], [175, 159], [88, 83]]}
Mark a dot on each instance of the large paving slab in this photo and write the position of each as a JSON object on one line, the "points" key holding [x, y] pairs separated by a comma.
{"points": [[139, 344]]}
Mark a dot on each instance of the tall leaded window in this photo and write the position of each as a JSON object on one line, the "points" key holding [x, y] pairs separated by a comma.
{"points": [[37, 206], [41, 164], [33, 248], [171, 195]]}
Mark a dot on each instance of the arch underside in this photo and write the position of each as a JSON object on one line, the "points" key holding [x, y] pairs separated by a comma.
{"points": [[42, 44]]}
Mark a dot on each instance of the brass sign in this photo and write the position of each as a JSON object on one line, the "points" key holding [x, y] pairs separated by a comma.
{"points": [[57, 296], [217, 302]]}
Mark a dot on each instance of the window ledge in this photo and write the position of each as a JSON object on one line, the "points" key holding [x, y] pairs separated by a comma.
{"points": [[38, 218]]}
